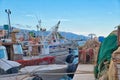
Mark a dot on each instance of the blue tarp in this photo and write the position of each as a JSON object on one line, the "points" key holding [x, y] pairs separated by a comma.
{"points": [[75, 52], [75, 61], [101, 38], [2, 55]]}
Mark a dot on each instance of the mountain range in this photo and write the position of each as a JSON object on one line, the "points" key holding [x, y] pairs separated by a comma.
{"points": [[67, 35]]}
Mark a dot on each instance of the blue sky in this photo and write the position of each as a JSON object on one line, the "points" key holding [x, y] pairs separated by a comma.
{"points": [[77, 16]]}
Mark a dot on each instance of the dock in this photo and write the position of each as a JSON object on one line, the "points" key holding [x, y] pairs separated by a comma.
{"points": [[84, 72]]}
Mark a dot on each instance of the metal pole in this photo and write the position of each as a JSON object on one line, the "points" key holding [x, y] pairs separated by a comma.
{"points": [[8, 12], [9, 21]]}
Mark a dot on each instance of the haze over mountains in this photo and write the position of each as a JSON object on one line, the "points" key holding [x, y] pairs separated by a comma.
{"points": [[67, 35]]}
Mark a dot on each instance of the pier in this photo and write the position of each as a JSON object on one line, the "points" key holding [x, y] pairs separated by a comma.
{"points": [[85, 72]]}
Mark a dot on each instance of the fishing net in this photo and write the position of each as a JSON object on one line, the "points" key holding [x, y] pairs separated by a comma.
{"points": [[91, 44], [113, 72], [104, 55], [88, 52]]}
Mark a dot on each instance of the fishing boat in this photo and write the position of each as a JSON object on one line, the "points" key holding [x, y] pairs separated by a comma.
{"points": [[52, 44], [14, 62], [13, 69], [52, 50], [45, 72]]}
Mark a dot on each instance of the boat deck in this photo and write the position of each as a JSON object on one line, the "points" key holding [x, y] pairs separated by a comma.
{"points": [[84, 72]]}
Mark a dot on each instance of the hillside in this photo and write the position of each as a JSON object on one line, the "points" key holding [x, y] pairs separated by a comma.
{"points": [[67, 35]]}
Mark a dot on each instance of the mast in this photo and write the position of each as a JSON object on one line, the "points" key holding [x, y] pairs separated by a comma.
{"points": [[54, 30], [8, 12]]}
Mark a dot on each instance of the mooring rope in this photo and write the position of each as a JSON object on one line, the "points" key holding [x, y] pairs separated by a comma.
{"points": [[46, 73]]}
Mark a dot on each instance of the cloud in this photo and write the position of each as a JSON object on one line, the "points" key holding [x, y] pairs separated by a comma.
{"points": [[30, 15], [81, 33]]}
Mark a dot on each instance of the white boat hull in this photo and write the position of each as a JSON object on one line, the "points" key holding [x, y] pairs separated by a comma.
{"points": [[46, 72]]}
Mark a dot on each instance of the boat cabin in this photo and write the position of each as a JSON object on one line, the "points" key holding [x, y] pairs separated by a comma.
{"points": [[11, 51]]}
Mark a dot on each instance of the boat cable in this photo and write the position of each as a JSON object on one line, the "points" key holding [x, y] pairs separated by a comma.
{"points": [[77, 72]]}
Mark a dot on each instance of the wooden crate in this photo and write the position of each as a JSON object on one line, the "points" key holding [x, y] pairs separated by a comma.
{"points": [[34, 50]]}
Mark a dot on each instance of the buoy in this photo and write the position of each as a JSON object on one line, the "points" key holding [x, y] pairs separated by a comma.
{"points": [[70, 58]]}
